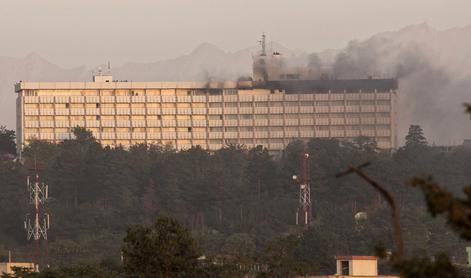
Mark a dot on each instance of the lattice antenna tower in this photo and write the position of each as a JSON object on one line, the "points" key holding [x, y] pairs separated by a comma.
{"points": [[304, 213], [37, 222]]}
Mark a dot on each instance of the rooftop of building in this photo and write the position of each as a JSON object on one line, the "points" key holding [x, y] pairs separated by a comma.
{"points": [[348, 85], [289, 86], [350, 258]]}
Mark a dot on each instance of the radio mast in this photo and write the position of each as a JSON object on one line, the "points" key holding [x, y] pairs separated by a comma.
{"points": [[304, 213], [262, 42], [37, 223]]}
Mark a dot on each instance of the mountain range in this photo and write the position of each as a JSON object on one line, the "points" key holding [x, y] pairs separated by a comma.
{"points": [[433, 67]]}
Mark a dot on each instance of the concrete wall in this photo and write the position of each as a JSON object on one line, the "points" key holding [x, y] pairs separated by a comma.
{"points": [[364, 268]]}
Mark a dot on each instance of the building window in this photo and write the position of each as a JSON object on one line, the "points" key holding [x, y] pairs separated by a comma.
{"points": [[97, 117], [337, 103], [353, 102], [383, 102], [261, 104], [215, 104], [230, 91], [190, 129], [345, 268], [97, 105], [230, 104], [67, 105]]}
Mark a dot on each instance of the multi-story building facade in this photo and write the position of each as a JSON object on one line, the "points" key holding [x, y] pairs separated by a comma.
{"points": [[211, 115]]}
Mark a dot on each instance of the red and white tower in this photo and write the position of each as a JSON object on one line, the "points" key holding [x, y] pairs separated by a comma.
{"points": [[304, 213], [37, 222]]}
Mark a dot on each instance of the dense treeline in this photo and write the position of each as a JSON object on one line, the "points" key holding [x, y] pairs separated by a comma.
{"points": [[236, 201]]}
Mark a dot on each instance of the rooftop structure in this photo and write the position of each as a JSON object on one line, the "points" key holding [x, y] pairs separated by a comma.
{"points": [[9, 267]]}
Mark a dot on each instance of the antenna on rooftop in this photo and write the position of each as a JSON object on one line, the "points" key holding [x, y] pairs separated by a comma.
{"points": [[262, 42]]}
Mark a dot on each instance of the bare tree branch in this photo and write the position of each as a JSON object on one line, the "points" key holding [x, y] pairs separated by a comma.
{"points": [[387, 196]]}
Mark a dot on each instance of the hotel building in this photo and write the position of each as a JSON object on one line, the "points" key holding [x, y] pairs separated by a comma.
{"points": [[271, 110], [186, 114]]}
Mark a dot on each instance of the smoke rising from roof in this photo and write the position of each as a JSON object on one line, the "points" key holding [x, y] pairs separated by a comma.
{"points": [[432, 67], [430, 94]]}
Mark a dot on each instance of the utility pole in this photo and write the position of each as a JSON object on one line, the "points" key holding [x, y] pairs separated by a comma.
{"points": [[304, 213], [37, 222]]}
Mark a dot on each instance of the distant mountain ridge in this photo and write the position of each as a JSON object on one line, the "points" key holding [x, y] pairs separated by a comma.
{"points": [[433, 67]]}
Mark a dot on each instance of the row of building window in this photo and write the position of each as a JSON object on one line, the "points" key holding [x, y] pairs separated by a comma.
{"points": [[158, 92], [211, 129], [203, 104], [210, 117]]}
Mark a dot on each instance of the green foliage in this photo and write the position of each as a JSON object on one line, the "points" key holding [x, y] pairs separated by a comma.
{"points": [[441, 201], [440, 267], [364, 143], [7, 141], [415, 137], [240, 247], [235, 201], [164, 250], [280, 258]]}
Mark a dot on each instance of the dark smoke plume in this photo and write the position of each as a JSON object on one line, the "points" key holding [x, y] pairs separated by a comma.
{"points": [[429, 94]]}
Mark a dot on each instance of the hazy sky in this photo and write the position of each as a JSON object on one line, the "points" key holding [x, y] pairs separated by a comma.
{"points": [[72, 33]]}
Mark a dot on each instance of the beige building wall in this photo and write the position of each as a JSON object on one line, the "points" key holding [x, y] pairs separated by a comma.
{"points": [[364, 267], [185, 114], [8, 267]]}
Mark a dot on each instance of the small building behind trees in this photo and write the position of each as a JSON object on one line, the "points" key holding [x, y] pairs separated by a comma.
{"points": [[356, 266]]}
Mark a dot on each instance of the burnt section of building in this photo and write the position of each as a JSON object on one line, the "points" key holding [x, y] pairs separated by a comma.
{"points": [[272, 72], [325, 86]]}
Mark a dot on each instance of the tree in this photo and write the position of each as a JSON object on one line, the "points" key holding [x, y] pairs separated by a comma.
{"points": [[365, 143], [240, 247], [280, 259], [149, 200], [7, 141], [82, 134], [415, 137], [164, 250]]}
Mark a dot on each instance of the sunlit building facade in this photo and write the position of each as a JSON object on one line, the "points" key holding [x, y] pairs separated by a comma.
{"points": [[211, 115]]}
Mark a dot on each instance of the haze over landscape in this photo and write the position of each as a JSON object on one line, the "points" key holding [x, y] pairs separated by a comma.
{"points": [[432, 66], [340, 147]]}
